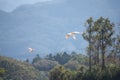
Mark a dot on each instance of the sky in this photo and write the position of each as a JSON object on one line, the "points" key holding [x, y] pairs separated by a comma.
{"points": [[9, 5]]}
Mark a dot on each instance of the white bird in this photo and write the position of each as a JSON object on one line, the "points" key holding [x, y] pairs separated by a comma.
{"points": [[72, 34], [30, 49]]}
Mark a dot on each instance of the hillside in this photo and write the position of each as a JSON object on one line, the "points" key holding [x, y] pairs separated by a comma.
{"points": [[39, 26], [18, 70]]}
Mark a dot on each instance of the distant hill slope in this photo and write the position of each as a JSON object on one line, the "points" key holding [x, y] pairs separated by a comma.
{"points": [[40, 26], [18, 70]]}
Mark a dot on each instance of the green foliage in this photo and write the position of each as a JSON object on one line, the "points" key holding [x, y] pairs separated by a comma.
{"points": [[45, 65], [99, 35], [27, 60], [118, 44], [110, 73], [37, 58], [50, 57], [2, 70], [82, 59], [18, 70], [72, 65], [71, 61], [61, 58], [2, 73], [60, 73], [87, 35]]}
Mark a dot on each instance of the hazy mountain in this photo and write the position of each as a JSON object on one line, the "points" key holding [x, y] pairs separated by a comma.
{"points": [[43, 26], [40, 26]]}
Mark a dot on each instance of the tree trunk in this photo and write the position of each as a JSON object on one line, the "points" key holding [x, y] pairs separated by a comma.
{"points": [[115, 58], [98, 54], [90, 61], [103, 51], [103, 59], [103, 55], [90, 49]]}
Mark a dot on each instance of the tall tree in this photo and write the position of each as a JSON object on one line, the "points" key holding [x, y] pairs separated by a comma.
{"points": [[105, 31], [96, 40], [87, 35], [99, 35], [117, 46], [118, 43]]}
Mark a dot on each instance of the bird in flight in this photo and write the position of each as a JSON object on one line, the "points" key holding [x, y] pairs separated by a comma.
{"points": [[72, 34], [30, 49]]}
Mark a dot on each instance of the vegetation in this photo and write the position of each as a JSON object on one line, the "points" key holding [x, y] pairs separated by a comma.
{"points": [[61, 58], [45, 65], [71, 61], [11, 69], [103, 54], [99, 34]]}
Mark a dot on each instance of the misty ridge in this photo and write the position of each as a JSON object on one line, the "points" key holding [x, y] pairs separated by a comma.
{"points": [[38, 26]]}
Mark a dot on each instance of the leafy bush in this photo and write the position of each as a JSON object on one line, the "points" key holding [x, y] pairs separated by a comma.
{"points": [[45, 65], [18, 70]]}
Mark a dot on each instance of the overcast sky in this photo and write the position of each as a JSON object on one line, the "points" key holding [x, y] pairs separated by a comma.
{"points": [[9, 5]]}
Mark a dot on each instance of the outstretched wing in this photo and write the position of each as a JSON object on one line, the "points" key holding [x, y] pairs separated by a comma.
{"points": [[76, 32], [72, 34], [74, 37]]}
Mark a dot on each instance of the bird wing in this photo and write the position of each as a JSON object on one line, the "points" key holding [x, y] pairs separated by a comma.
{"points": [[76, 32], [74, 37], [70, 34]]}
